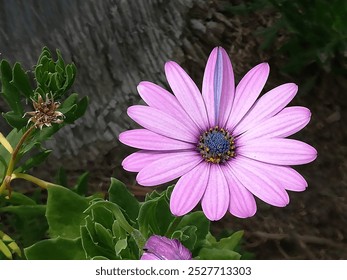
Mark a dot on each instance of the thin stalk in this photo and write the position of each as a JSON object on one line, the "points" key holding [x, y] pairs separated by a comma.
{"points": [[11, 165], [41, 183]]}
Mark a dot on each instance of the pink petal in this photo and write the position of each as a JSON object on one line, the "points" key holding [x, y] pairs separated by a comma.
{"points": [[168, 168], [287, 122], [148, 140], [267, 106], [187, 94], [257, 182], [278, 151], [286, 177], [138, 160], [289, 178], [218, 87], [161, 123], [247, 92], [215, 201], [242, 202], [163, 248], [159, 98], [189, 189]]}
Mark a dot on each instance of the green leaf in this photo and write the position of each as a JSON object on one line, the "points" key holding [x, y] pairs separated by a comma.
{"points": [[81, 107], [65, 212], [9, 91], [121, 245], [81, 186], [5, 250], [15, 120], [60, 62], [218, 254], [21, 80], [92, 247], [230, 242], [70, 73], [34, 161], [119, 194], [103, 235], [24, 210], [29, 221], [56, 249], [61, 177], [103, 215], [18, 198], [99, 258], [187, 236], [199, 220], [155, 215], [69, 102]]}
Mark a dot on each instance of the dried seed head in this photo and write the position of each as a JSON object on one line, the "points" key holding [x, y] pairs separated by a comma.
{"points": [[45, 112]]}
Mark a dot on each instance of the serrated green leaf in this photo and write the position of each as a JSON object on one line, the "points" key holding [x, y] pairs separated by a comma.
{"points": [[52, 82], [65, 212], [70, 73], [187, 235], [199, 220], [93, 249], [103, 235], [56, 249], [44, 53], [21, 80], [218, 254], [155, 216], [119, 194], [60, 62], [103, 216]]}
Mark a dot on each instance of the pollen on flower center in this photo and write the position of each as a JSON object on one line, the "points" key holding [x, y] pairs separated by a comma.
{"points": [[216, 145]]}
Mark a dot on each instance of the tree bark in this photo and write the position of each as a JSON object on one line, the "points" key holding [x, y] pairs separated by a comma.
{"points": [[115, 44]]}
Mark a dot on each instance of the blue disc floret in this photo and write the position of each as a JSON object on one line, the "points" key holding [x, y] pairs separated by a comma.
{"points": [[216, 145]]}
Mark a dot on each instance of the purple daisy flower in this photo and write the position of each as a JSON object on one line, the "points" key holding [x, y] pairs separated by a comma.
{"points": [[225, 144], [162, 248]]}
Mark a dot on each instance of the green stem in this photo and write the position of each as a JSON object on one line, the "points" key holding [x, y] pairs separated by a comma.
{"points": [[11, 165], [41, 183]]}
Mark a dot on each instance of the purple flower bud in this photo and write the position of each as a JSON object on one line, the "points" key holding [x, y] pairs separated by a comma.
{"points": [[162, 248]]}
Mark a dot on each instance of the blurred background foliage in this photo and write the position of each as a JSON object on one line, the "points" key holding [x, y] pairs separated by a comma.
{"points": [[305, 36]]}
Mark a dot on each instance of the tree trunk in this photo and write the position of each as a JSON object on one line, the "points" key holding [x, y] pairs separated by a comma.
{"points": [[115, 44]]}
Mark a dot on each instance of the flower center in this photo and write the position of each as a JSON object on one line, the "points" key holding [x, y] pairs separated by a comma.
{"points": [[216, 145]]}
